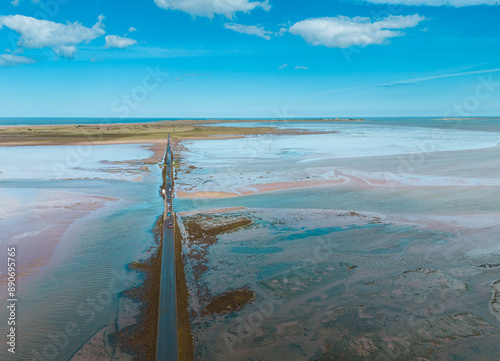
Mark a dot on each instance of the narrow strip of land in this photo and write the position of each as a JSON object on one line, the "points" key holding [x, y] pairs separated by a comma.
{"points": [[146, 132], [167, 342]]}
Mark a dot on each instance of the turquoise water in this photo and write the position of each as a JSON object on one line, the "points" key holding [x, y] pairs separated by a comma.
{"points": [[392, 257], [357, 152], [333, 278], [59, 121], [479, 123], [80, 283], [491, 124], [64, 162], [430, 200]]}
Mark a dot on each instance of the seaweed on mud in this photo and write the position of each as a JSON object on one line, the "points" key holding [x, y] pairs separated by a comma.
{"points": [[490, 265], [139, 339], [185, 337], [358, 340], [201, 234], [229, 301], [422, 270], [207, 236]]}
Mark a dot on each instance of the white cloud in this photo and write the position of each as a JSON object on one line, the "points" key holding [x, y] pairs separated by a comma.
{"points": [[283, 66], [65, 51], [209, 8], [37, 34], [15, 2], [250, 30], [297, 67], [130, 30], [343, 32], [452, 3], [14, 60], [282, 31], [114, 41]]}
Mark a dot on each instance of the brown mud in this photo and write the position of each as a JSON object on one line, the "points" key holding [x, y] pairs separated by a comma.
{"points": [[230, 301], [139, 339], [185, 337]]}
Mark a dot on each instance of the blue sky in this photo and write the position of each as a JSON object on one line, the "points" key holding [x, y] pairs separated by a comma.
{"points": [[245, 58]]}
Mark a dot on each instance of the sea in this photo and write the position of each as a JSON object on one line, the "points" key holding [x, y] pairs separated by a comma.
{"points": [[477, 123], [391, 252]]}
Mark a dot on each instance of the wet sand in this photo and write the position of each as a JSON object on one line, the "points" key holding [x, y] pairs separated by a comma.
{"points": [[355, 179], [37, 228], [258, 188], [220, 210], [348, 295], [364, 248], [40, 228], [98, 348], [45, 217]]}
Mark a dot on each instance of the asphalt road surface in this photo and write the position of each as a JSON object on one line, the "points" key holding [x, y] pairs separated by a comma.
{"points": [[166, 349]]}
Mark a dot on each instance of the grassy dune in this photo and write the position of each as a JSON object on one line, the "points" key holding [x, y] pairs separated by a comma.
{"points": [[103, 133]]}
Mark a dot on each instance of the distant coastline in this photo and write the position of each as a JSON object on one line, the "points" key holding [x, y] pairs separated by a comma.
{"points": [[46, 121], [67, 134]]}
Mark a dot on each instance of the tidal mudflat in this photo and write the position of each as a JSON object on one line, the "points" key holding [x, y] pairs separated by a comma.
{"points": [[377, 241], [78, 216]]}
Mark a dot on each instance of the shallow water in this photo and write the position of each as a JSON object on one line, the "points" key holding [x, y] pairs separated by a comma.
{"points": [[481, 123], [63, 121], [405, 155], [353, 140], [77, 277], [327, 280], [398, 201], [69, 162], [397, 261]]}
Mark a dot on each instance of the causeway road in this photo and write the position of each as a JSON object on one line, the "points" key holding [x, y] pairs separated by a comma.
{"points": [[167, 344]]}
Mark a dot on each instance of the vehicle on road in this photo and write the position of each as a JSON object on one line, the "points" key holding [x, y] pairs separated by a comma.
{"points": [[170, 225], [169, 189], [168, 204], [169, 214], [168, 197]]}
